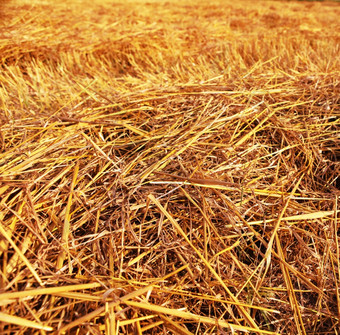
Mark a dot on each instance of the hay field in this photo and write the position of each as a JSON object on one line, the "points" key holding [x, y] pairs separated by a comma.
{"points": [[169, 167]]}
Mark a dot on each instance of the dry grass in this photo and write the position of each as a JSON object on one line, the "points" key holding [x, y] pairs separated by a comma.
{"points": [[169, 167]]}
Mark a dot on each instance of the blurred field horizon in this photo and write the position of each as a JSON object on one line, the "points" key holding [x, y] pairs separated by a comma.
{"points": [[169, 167]]}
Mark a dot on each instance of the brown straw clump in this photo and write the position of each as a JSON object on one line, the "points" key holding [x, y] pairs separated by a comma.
{"points": [[169, 167]]}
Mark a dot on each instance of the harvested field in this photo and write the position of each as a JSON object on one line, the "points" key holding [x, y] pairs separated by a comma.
{"points": [[169, 167]]}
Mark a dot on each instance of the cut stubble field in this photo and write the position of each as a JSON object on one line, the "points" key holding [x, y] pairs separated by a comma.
{"points": [[169, 167]]}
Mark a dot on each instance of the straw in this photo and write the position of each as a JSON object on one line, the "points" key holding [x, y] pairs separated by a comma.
{"points": [[169, 167]]}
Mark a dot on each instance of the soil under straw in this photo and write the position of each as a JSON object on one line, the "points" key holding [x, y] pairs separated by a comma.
{"points": [[169, 167]]}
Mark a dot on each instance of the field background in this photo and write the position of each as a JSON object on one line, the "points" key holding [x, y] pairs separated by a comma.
{"points": [[169, 167]]}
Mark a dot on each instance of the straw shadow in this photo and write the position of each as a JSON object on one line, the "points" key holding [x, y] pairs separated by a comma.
{"points": [[3, 4]]}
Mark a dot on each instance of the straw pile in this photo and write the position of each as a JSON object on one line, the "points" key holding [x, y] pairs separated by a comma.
{"points": [[169, 167]]}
